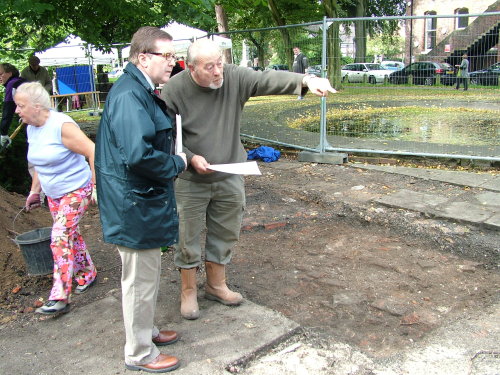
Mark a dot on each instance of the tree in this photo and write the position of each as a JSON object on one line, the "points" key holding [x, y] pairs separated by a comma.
{"points": [[280, 21], [363, 28], [331, 8], [222, 27], [39, 24], [360, 31]]}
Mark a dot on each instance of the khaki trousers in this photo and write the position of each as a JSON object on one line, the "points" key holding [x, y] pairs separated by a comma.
{"points": [[219, 207], [140, 283]]}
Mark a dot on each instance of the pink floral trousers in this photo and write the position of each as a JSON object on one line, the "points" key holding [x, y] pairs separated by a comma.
{"points": [[71, 258]]}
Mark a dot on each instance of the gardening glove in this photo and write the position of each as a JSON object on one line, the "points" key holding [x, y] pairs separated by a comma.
{"points": [[93, 197], [33, 201], [5, 141]]}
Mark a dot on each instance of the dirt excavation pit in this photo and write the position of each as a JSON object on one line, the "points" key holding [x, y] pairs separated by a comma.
{"points": [[313, 249], [366, 286]]}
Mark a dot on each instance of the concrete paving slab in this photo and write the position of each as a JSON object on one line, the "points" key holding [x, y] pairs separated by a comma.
{"points": [[464, 211], [461, 178], [412, 200], [493, 221], [408, 171], [94, 336], [481, 180], [489, 198], [493, 184]]}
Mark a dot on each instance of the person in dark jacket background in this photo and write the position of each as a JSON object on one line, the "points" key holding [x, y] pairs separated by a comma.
{"points": [[300, 65], [34, 72], [135, 171], [9, 77]]}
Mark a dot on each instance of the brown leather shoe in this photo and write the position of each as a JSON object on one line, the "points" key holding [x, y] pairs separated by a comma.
{"points": [[162, 363], [165, 338]]}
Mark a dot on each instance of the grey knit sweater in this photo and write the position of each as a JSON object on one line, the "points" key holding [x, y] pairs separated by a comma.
{"points": [[211, 118]]}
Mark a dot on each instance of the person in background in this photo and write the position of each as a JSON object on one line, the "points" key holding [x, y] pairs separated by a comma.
{"points": [[58, 150], [34, 72], [210, 97], [9, 77], [177, 68], [300, 65], [135, 169], [55, 85], [463, 73]]}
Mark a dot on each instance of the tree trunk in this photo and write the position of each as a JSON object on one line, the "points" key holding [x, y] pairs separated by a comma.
{"points": [[220, 16], [259, 44], [333, 44], [360, 32], [280, 21]]}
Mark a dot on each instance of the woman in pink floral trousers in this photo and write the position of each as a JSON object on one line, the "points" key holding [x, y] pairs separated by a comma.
{"points": [[68, 247], [59, 151]]}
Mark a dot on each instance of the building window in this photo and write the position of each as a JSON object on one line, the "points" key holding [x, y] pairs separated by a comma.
{"points": [[463, 21], [430, 30]]}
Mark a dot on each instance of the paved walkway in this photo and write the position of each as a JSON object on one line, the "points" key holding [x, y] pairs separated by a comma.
{"points": [[89, 340]]}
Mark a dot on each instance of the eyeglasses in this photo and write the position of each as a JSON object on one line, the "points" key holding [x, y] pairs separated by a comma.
{"points": [[166, 55]]}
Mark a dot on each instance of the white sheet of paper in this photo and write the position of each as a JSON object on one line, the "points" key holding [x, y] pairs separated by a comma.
{"points": [[247, 168], [178, 134]]}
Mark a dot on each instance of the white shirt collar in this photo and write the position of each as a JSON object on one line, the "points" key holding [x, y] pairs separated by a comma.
{"points": [[150, 81]]}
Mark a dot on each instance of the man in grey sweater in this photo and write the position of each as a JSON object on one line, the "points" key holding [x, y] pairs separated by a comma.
{"points": [[210, 97]]}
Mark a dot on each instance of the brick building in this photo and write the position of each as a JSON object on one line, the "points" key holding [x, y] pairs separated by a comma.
{"points": [[446, 39]]}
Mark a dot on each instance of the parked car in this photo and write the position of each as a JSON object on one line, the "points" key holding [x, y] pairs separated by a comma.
{"points": [[314, 69], [392, 65], [115, 73], [487, 77], [425, 73], [256, 68], [278, 67], [359, 72]]}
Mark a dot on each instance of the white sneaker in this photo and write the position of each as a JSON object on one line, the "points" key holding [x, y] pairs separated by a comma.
{"points": [[53, 307], [80, 289]]}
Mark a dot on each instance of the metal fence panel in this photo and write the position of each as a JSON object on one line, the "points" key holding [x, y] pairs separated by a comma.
{"points": [[410, 111]]}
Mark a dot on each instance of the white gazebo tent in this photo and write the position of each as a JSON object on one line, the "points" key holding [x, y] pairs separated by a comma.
{"points": [[74, 52]]}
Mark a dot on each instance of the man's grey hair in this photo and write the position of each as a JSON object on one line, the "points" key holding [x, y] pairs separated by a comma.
{"points": [[144, 40], [36, 93], [201, 47]]}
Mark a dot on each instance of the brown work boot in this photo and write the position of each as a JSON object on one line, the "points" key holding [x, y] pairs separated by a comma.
{"points": [[189, 298], [216, 288], [162, 363]]}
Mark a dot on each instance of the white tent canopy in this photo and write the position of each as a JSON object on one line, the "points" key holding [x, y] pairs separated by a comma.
{"points": [[73, 52]]}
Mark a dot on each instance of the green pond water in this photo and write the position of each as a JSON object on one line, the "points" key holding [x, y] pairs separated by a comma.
{"points": [[445, 126]]}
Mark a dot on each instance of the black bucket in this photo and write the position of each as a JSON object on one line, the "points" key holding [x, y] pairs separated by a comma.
{"points": [[35, 247]]}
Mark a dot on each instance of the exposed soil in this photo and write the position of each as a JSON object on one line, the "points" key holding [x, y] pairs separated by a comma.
{"points": [[316, 248]]}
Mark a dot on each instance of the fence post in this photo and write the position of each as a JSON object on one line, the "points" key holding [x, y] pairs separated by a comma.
{"points": [[323, 143]]}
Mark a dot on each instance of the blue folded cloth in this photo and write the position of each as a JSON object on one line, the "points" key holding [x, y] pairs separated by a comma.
{"points": [[265, 153]]}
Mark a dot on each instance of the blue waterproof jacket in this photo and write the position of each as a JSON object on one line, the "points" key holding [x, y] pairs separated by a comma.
{"points": [[135, 167]]}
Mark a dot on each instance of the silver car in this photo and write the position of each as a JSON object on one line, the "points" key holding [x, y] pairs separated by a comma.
{"points": [[364, 72]]}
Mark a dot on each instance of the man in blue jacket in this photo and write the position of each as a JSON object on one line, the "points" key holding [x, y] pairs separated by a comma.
{"points": [[135, 170]]}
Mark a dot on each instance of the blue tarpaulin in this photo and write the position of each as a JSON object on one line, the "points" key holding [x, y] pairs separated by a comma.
{"points": [[265, 153], [75, 79]]}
